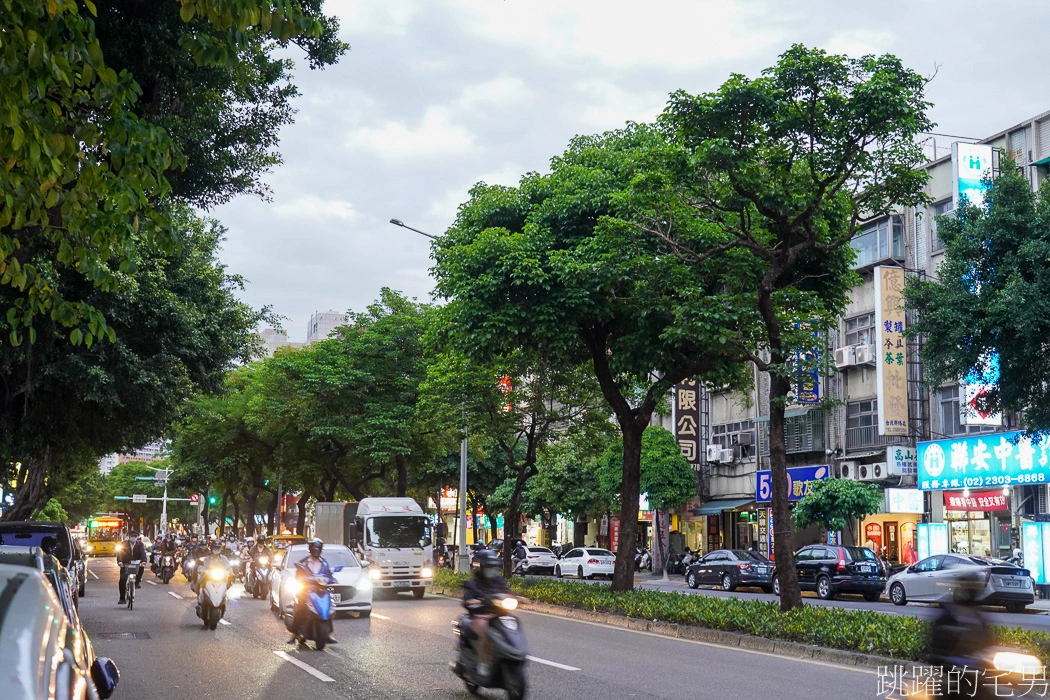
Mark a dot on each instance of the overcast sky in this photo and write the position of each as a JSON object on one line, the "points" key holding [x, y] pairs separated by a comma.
{"points": [[436, 95]]}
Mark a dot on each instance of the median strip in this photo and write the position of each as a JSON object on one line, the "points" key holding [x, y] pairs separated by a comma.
{"points": [[306, 667]]}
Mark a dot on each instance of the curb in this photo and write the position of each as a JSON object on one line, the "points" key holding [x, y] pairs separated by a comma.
{"points": [[712, 636]]}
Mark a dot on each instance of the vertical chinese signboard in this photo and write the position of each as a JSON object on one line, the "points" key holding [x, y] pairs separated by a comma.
{"points": [[687, 420], [891, 369]]}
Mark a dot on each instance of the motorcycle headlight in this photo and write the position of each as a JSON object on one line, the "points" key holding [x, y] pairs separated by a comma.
{"points": [[216, 574], [427, 572], [294, 585], [374, 574], [509, 603], [190, 563], [1021, 664], [264, 561]]}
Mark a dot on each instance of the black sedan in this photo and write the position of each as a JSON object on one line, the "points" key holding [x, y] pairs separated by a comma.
{"points": [[730, 568]]}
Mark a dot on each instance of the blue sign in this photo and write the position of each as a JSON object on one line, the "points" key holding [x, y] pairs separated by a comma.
{"points": [[799, 480], [933, 539], [978, 461]]}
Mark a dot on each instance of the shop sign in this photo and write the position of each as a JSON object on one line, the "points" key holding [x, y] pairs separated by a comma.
{"points": [[901, 461], [764, 535], [686, 416], [614, 530], [604, 529], [905, 501], [978, 461], [1035, 543], [800, 482], [891, 370], [834, 538], [981, 500], [873, 536], [971, 162], [449, 502], [933, 539]]}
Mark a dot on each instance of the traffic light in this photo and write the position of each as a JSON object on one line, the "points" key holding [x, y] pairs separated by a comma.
{"points": [[212, 500], [266, 482]]}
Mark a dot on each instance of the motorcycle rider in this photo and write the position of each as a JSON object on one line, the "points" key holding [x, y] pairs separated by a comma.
{"points": [[313, 565], [216, 555], [521, 554], [129, 550], [484, 585], [959, 631]]}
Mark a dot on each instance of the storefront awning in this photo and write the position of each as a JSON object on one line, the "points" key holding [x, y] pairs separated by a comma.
{"points": [[716, 507]]}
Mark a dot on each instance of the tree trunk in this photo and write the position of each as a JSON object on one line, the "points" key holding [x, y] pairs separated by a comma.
{"points": [[251, 504], [32, 493], [271, 513], [222, 513], [300, 520], [623, 574], [236, 513], [784, 526], [402, 476]]}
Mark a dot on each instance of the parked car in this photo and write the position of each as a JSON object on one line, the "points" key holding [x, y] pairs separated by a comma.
{"points": [[830, 570], [41, 647], [730, 569], [933, 580], [493, 546], [540, 560], [351, 593], [586, 562], [33, 534]]}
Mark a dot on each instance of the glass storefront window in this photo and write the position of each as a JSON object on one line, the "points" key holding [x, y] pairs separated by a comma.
{"points": [[970, 536]]}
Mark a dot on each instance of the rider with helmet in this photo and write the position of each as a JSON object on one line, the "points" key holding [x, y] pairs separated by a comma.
{"points": [[211, 555], [312, 565], [485, 585]]}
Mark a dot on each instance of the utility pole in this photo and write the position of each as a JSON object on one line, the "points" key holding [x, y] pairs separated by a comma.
{"points": [[462, 561]]}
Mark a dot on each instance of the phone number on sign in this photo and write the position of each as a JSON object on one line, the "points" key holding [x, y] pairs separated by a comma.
{"points": [[1035, 478]]}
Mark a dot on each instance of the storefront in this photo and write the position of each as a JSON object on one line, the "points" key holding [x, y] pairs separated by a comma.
{"points": [[972, 518], [707, 526], [893, 533]]}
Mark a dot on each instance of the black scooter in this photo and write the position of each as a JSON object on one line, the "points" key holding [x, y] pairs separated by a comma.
{"points": [[507, 649], [257, 578]]}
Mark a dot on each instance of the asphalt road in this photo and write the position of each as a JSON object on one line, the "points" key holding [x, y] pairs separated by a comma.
{"points": [[403, 651]]}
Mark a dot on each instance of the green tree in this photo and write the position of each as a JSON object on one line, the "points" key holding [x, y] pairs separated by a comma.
{"points": [[52, 512], [784, 168], [988, 304], [835, 503], [554, 267]]}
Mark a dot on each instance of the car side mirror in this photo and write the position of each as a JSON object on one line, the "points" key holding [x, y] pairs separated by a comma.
{"points": [[105, 675], [912, 569]]}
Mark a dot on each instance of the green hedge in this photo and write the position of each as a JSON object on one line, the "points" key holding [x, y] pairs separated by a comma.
{"points": [[864, 631]]}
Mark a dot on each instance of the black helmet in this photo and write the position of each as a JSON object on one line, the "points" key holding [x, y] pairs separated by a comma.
{"points": [[316, 545], [488, 562]]}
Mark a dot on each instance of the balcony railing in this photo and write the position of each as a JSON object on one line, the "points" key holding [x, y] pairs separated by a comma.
{"points": [[868, 436]]}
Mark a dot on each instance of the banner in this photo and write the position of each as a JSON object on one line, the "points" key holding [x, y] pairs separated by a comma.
{"points": [[981, 461], [800, 480], [687, 421], [971, 162], [891, 368], [980, 500]]}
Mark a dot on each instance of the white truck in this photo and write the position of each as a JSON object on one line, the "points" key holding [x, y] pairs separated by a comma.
{"points": [[392, 534]]}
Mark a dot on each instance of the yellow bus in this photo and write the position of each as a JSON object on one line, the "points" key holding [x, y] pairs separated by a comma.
{"points": [[104, 533]]}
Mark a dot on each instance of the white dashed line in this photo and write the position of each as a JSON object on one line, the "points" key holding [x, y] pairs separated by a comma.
{"points": [[224, 622], [306, 667], [381, 617], [555, 664], [152, 583], [173, 594], [93, 574]]}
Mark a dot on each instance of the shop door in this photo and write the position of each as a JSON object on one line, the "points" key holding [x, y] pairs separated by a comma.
{"points": [[743, 535], [890, 533]]}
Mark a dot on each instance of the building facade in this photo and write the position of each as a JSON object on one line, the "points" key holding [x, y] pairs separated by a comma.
{"points": [[273, 339], [322, 324]]}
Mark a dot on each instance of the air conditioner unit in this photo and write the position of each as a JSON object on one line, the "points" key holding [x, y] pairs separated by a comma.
{"points": [[727, 455], [872, 472], [865, 354], [845, 356], [747, 438], [714, 453], [846, 469]]}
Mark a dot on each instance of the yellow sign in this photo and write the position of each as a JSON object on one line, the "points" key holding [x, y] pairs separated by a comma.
{"points": [[891, 365]]}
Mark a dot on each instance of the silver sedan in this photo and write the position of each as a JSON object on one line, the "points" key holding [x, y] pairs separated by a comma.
{"points": [[934, 580]]}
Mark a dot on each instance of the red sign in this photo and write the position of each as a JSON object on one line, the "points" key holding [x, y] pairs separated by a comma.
{"points": [[195, 498], [980, 500], [873, 534], [614, 532]]}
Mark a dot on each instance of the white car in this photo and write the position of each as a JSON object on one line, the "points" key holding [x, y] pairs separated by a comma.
{"points": [[586, 562], [934, 580], [352, 591], [540, 560]]}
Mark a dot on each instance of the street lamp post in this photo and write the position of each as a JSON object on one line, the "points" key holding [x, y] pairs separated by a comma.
{"points": [[462, 561]]}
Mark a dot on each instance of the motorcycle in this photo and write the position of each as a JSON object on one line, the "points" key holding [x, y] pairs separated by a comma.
{"points": [[237, 565], [211, 598], [642, 559], [992, 672], [189, 568], [507, 650], [316, 625], [167, 567], [257, 577], [674, 564]]}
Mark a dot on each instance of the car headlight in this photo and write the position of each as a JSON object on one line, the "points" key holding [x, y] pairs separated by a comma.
{"points": [[293, 586], [1021, 664], [364, 585], [216, 574], [264, 561], [374, 574], [509, 603], [427, 572]]}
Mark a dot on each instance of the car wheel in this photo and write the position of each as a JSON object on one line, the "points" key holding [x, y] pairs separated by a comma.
{"points": [[579, 573], [727, 583], [897, 594], [1015, 607], [776, 587], [691, 581], [824, 591], [872, 596]]}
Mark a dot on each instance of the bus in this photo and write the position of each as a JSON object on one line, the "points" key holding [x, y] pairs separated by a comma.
{"points": [[104, 532]]}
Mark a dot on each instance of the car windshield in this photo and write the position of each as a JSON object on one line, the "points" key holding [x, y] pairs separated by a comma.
{"points": [[398, 531], [748, 555], [34, 538], [540, 550], [856, 553], [599, 552]]}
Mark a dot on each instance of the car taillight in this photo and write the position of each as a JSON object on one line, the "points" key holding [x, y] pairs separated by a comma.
{"points": [[594, 561], [842, 565], [744, 567], [534, 556]]}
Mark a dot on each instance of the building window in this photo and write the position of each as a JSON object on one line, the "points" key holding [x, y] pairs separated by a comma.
{"points": [[860, 330], [862, 414], [938, 209], [739, 435], [879, 240], [951, 421]]}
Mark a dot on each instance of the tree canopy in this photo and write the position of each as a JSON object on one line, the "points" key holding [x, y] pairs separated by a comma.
{"points": [[835, 503]]}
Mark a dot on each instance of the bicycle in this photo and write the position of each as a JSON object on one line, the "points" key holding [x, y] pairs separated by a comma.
{"points": [[129, 585]]}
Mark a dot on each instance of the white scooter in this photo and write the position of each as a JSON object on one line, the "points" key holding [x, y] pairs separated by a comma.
{"points": [[211, 600]]}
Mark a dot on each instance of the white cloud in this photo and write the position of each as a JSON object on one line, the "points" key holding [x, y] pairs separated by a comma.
{"points": [[607, 105], [858, 43], [315, 208], [437, 133], [503, 91]]}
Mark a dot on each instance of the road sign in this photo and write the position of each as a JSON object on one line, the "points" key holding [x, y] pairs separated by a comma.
{"points": [[161, 476], [195, 498], [138, 498], [144, 478]]}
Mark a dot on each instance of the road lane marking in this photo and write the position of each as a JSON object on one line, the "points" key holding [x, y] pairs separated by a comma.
{"points": [[93, 574], [555, 664], [173, 594], [381, 617], [152, 583], [726, 647], [306, 667], [224, 622]]}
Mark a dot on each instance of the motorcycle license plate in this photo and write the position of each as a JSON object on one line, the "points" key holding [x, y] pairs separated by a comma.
{"points": [[509, 622], [402, 584], [337, 597]]}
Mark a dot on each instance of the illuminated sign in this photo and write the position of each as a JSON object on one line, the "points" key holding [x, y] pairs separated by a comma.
{"points": [[904, 501], [971, 163], [687, 421], [979, 461], [800, 482]]}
